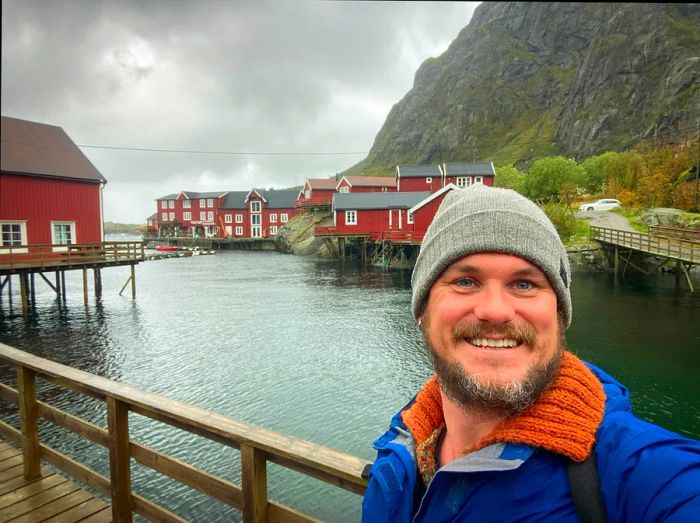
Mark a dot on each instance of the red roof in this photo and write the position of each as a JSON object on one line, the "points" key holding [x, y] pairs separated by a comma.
{"points": [[323, 184], [41, 149]]}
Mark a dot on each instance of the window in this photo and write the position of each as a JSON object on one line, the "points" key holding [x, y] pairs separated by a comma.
{"points": [[255, 219], [283, 217], [350, 217], [228, 218], [13, 233], [409, 219], [171, 204], [187, 216], [307, 193], [463, 181], [239, 218], [255, 206], [164, 216], [203, 216], [62, 233], [172, 216], [202, 204], [273, 218], [186, 204], [164, 204], [344, 189], [210, 216], [239, 231], [273, 230], [210, 202], [478, 179], [429, 179]]}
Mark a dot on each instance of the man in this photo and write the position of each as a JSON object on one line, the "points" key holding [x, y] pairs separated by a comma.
{"points": [[492, 435]]}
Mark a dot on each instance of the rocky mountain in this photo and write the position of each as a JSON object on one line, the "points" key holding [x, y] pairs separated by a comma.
{"points": [[529, 79]]}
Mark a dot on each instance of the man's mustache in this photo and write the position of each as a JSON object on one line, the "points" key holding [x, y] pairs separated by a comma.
{"points": [[524, 333]]}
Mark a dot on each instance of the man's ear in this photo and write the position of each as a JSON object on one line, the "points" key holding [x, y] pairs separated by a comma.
{"points": [[420, 321]]}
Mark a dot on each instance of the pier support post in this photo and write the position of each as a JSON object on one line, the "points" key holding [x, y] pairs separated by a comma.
{"points": [[617, 266], [32, 293], [26, 386], [341, 247], [85, 287], [63, 285], [678, 273], [133, 281], [58, 284], [23, 292], [97, 274]]}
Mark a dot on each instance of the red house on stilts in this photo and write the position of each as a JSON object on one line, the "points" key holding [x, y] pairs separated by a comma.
{"points": [[50, 193]]}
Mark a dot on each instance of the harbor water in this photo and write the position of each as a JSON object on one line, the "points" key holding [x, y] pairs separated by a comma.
{"points": [[315, 349]]}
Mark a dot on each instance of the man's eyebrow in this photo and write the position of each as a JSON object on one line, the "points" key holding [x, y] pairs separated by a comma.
{"points": [[476, 270]]}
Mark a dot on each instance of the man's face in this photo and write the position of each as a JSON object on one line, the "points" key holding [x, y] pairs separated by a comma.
{"points": [[492, 327]]}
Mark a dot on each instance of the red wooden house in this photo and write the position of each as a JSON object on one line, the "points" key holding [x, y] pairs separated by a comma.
{"points": [[317, 192], [378, 215], [412, 178], [256, 213], [422, 214], [366, 184], [50, 193], [194, 212], [466, 174]]}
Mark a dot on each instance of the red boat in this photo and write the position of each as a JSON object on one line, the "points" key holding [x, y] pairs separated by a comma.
{"points": [[165, 248]]}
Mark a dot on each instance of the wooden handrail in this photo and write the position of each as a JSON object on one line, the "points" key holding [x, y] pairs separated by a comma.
{"points": [[679, 249], [257, 445], [62, 254]]}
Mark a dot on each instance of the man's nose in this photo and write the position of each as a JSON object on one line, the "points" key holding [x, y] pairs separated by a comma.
{"points": [[494, 305]]}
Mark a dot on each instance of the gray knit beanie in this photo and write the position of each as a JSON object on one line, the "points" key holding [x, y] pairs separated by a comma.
{"points": [[486, 219]]}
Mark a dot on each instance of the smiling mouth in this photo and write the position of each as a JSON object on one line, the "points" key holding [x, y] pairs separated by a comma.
{"points": [[493, 344]]}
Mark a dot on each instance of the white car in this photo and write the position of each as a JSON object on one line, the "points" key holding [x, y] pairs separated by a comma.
{"points": [[604, 204]]}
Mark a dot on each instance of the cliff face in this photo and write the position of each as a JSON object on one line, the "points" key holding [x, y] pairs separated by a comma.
{"points": [[528, 79]]}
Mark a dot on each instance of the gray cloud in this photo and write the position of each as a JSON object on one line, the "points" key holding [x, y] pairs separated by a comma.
{"points": [[217, 76]]}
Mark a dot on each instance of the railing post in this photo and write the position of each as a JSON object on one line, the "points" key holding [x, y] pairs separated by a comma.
{"points": [[119, 460], [254, 484], [26, 386]]}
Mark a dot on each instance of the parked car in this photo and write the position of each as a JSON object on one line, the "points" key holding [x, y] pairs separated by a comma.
{"points": [[604, 204]]}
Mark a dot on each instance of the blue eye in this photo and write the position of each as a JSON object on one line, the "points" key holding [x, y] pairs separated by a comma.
{"points": [[465, 282], [523, 285]]}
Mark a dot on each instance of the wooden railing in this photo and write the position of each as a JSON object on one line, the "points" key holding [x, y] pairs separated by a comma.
{"points": [[684, 250], [257, 445], [61, 254], [672, 231]]}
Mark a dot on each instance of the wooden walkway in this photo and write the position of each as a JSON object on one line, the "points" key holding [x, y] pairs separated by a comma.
{"points": [[50, 498], [686, 251]]}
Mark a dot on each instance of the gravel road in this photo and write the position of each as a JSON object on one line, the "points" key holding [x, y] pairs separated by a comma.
{"points": [[607, 219]]}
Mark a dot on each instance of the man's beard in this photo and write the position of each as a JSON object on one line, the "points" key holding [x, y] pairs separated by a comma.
{"points": [[507, 399]]}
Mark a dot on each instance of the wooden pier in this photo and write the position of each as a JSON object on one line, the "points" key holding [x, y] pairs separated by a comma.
{"points": [[683, 249], [255, 446], [27, 261]]}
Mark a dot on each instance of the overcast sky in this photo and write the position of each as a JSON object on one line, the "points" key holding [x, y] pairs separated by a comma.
{"points": [[294, 76]]}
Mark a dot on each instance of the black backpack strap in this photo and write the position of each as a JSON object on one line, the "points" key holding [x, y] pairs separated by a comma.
{"points": [[585, 490]]}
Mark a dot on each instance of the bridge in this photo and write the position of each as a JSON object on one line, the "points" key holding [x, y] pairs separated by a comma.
{"points": [[677, 244]]}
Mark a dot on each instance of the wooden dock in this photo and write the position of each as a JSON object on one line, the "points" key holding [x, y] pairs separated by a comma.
{"points": [[51, 497]]}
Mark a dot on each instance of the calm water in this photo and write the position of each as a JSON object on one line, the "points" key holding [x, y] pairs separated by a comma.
{"points": [[314, 349]]}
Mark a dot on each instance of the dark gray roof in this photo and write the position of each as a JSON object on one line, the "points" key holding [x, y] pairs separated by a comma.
{"points": [[279, 199], [39, 149], [197, 195], [418, 171], [152, 216], [469, 169], [378, 200], [168, 197], [234, 200]]}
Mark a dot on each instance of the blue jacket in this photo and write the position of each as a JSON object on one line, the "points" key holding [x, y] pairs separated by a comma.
{"points": [[647, 474]]}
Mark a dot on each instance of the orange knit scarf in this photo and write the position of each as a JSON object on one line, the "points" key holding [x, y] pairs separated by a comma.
{"points": [[563, 420]]}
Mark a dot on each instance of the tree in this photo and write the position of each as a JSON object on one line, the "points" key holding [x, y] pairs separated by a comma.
{"points": [[549, 178], [594, 166], [509, 177]]}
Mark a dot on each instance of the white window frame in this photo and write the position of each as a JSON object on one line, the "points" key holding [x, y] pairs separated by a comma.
{"points": [[202, 216], [164, 204], [349, 215], [239, 218], [187, 216], [228, 218], [463, 181], [239, 231], [284, 217], [55, 241], [210, 216], [479, 180], [428, 179], [22, 239], [202, 203], [256, 219], [344, 189], [172, 216], [164, 216], [255, 206], [171, 204], [409, 217], [273, 217], [273, 230], [307, 194], [210, 202], [186, 204]]}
